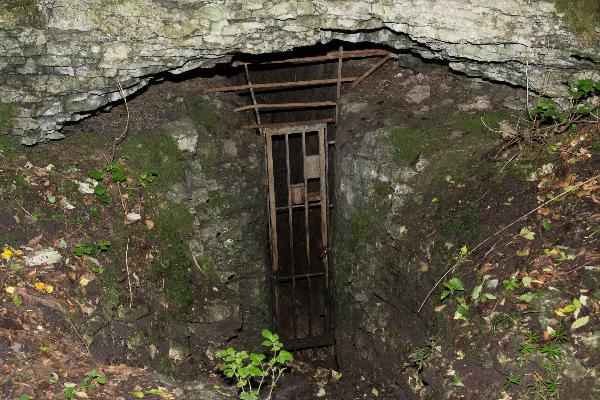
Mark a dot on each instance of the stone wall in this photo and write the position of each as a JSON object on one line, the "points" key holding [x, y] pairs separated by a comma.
{"points": [[61, 60], [206, 282], [405, 167]]}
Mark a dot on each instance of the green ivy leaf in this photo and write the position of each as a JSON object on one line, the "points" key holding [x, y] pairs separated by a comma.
{"points": [[476, 292], [527, 297], [579, 322], [16, 300], [527, 234], [456, 381]]}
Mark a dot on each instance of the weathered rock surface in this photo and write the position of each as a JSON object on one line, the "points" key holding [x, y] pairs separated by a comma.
{"points": [[61, 60]]}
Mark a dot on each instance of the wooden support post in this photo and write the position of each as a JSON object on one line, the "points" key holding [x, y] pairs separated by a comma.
{"points": [[339, 85], [252, 95]]}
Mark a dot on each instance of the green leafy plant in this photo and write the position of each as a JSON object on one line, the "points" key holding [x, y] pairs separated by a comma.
{"points": [[117, 172], [250, 371], [548, 366], [526, 233], [558, 336], [81, 250], [532, 337], [88, 383], [451, 287], [510, 284], [102, 193], [511, 381], [420, 355], [103, 245], [526, 348], [551, 351], [548, 110], [148, 176], [96, 175]]}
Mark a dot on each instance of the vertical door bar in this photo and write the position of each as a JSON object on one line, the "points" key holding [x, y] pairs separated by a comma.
{"points": [[307, 230], [272, 205], [273, 226], [291, 227], [328, 303], [324, 204]]}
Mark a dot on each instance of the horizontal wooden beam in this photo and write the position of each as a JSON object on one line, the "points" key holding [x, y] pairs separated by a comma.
{"points": [[292, 123], [313, 104], [332, 55], [277, 85]]}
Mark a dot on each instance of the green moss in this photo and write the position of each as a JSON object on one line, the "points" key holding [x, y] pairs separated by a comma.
{"points": [[138, 339], [208, 159], [429, 134], [383, 189], [460, 225], [22, 12], [7, 113], [408, 144], [174, 264], [360, 226], [175, 221], [582, 16], [596, 145], [158, 151], [203, 111]]}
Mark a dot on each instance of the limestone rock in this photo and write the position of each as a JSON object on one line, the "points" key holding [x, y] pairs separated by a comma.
{"points": [[62, 60], [47, 256], [418, 94]]}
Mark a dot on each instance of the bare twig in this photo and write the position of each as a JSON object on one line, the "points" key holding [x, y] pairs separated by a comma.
{"points": [[449, 270], [122, 135], [128, 276], [87, 346], [196, 262]]}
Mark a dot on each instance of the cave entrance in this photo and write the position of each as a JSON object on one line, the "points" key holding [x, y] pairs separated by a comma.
{"points": [[295, 101]]}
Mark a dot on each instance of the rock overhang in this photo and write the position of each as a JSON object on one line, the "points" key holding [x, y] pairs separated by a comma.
{"points": [[72, 58]]}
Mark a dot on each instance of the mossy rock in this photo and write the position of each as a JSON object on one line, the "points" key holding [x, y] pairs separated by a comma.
{"points": [[429, 134], [7, 113], [157, 151], [582, 16], [18, 13], [203, 111]]}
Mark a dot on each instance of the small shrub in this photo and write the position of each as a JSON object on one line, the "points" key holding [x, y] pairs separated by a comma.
{"points": [[250, 371]]}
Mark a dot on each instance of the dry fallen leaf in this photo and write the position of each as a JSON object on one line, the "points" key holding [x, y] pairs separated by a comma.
{"points": [[35, 240], [149, 224]]}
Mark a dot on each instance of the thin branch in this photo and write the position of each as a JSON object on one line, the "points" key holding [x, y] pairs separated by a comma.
{"points": [[122, 135], [572, 190], [128, 276]]}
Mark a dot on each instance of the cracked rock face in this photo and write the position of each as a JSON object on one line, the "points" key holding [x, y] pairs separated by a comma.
{"points": [[61, 60]]}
